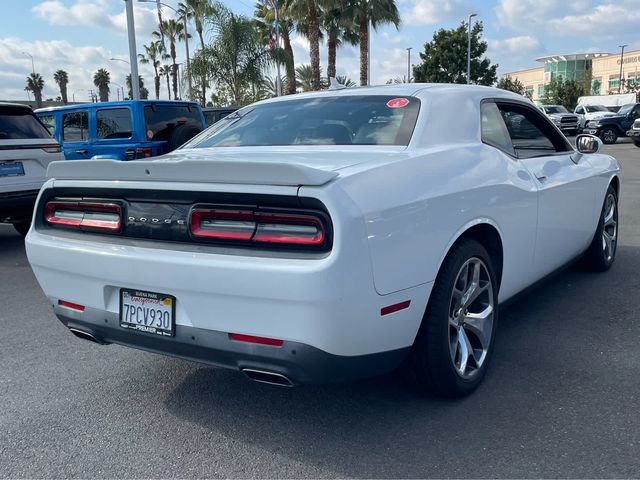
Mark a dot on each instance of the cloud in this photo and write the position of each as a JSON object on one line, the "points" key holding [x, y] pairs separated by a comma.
{"points": [[608, 20], [94, 14], [521, 45], [430, 12]]}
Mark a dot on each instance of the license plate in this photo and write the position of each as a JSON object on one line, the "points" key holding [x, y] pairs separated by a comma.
{"points": [[13, 169], [148, 312]]}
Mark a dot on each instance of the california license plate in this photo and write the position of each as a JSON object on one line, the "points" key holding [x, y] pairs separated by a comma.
{"points": [[147, 312], [11, 169]]}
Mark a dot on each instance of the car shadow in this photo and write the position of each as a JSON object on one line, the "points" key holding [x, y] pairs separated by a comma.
{"points": [[11, 247], [548, 357]]}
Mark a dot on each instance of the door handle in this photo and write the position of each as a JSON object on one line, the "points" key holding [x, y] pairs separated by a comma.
{"points": [[82, 152]]}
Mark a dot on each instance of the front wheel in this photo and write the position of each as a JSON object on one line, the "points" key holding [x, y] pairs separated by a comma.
{"points": [[608, 135], [453, 347], [602, 251]]}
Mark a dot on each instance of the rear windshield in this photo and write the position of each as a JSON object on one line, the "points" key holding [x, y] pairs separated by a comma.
{"points": [[160, 120], [556, 109], [338, 120], [18, 123]]}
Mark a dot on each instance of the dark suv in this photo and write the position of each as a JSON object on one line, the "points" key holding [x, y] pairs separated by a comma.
{"points": [[123, 130], [610, 128]]}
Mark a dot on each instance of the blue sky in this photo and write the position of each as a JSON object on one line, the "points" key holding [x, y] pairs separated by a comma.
{"points": [[81, 36]]}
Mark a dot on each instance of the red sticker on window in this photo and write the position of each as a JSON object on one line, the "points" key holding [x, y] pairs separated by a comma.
{"points": [[149, 134], [398, 103]]}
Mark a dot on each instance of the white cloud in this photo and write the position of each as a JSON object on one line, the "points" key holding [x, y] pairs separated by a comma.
{"points": [[606, 20], [521, 45], [429, 12]]}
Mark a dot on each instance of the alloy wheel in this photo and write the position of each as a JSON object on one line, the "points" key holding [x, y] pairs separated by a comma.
{"points": [[471, 314], [610, 227]]}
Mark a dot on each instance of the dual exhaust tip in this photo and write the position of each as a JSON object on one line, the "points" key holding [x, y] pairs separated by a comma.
{"points": [[261, 376]]}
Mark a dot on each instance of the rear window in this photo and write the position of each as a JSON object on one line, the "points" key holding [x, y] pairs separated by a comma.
{"points": [[338, 120], [160, 120], [114, 123], [17, 123]]}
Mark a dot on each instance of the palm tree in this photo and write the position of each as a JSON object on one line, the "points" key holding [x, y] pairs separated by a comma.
{"points": [[339, 29], [153, 56], [346, 81], [62, 79], [198, 10], [376, 12], [144, 92], [165, 70], [269, 86], [101, 79], [35, 85], [307, 12], [174, 31], [265, 18]]}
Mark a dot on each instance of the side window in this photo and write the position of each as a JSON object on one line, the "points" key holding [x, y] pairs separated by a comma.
{"points": [[580, 110], [114, 123], [49, 121], [75, 126], [532, 135], [494, 132]]}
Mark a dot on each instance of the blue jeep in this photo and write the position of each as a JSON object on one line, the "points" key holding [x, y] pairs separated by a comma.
{"points": [[122, 130]]}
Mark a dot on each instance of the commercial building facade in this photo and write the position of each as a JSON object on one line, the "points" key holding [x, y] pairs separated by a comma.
{"points": [[604, 67]]}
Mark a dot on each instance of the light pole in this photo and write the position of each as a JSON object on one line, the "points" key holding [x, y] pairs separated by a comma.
{"points": [[621, 60], [471, 15], [278, 79], [33, 68], [186, 36], [133, 54], [409, 64], [120, 87]]}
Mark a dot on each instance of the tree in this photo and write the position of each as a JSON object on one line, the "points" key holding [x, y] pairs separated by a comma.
{"points": [[444, 59], [265, 18], [35, 85], [236, 58], [511, 84], [154, 55], [346, 81], [165, 70], [339, 30], [174, 31], [363, 12], [101, 79], [62, 79], [307, 12], [144, 92], [563, 92]]}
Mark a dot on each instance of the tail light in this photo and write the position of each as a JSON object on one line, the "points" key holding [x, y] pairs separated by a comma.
{"points": [[144, 152], [96, 215], [264, 227]]}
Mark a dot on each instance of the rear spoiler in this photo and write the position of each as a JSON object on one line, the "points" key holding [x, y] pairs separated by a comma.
{"points": [[198, 171]]}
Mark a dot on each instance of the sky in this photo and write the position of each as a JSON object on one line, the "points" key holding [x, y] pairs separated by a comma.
{"points": [[81, 36]]}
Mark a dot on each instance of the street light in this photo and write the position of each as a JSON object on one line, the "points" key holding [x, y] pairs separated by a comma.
{"points": [[409, 64], [186, 35], [621, 60], [33, 68], [121, 60], [120, 87], [471, 15]]}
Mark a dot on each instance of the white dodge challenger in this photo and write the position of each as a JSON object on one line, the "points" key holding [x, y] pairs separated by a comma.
{"points": [[328, 236]]}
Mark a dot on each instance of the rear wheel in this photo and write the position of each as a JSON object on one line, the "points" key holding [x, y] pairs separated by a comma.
{"points": [[636, 142], [22, 227], [454, 345], [602, 251], [608, 135]]}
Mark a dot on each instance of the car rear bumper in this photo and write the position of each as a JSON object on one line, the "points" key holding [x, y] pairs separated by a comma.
{"points": [[17, 206], [295, 362]]}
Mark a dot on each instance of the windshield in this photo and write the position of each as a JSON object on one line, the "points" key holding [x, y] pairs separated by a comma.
{"points": [[595, 108], [556, 109], [338, 120], [626, 109]]}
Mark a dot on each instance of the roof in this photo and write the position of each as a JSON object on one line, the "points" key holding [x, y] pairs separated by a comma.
{"points": [[571, 56], [114, 104], [15, 105]]}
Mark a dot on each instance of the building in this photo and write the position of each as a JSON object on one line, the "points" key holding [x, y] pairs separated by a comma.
{"points": [[605, 71]]}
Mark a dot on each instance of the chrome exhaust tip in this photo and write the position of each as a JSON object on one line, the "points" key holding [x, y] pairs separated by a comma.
{"points": [[85, 335], [271, 378]]}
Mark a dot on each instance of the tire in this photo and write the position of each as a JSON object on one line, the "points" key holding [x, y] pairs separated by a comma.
{"points": [[180, 135], [608, 135], [22, 227], [636, 142], [436, 359], [602, 252]]}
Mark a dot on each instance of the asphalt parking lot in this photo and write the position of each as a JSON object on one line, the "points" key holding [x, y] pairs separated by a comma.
{"points": [[561, 400]]}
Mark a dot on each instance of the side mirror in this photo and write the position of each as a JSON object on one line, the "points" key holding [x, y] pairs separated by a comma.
{"points": [[588, 144]]}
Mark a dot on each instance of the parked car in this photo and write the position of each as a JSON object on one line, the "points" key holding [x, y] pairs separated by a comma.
{"points": [[26, 150], [125, 130], [634, 133], [568, 123], [328, 236], [592, 112], [213, 115], [610, 128]]}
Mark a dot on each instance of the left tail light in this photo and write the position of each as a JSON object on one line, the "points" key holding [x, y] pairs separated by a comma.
{"points": [[94, 215]]}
